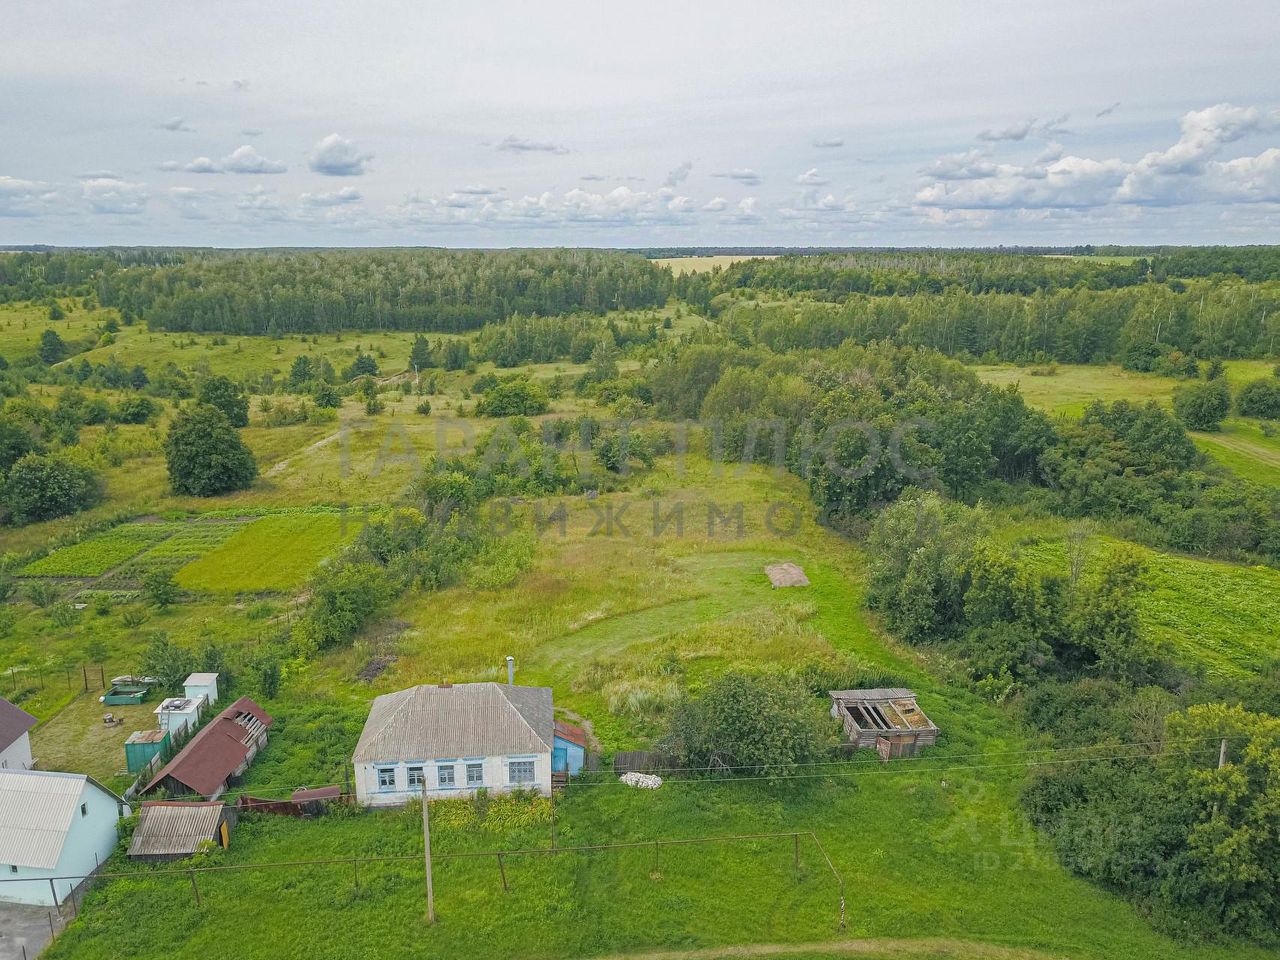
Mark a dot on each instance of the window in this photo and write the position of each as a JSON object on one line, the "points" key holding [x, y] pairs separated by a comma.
{"points": [[387, 778], [520, 771], [84, 809], [13, 868], [475, 774], [416, 778], [444, 776]]}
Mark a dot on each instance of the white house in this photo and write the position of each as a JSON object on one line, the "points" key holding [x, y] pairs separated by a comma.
{"points": [[202, 685], [53, 825], [452, 740], [15, 737]]}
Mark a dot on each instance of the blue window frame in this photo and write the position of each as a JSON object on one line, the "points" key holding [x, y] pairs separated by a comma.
{"points": [[386, 778], [520, 771], [445, 775]]}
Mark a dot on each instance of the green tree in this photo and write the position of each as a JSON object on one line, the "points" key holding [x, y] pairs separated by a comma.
{"points": [[223, 393], [1260, 398], [205, 454], [1203, 406], [420, 354], [301, 372], [56, 312], [518, 396], [327, 397], [167, 662], [751, 725], [159, 588], [43, 486], [52, 348]]}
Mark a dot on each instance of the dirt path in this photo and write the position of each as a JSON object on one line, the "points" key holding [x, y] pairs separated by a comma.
{"points": [[283, 464], [886, 949]]}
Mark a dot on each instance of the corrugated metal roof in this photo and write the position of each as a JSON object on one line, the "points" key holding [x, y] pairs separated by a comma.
{"points": [[213, 754], [877, 693], [169, 828], [14, 722], [568, 731], [463, 720], [36, 809]]}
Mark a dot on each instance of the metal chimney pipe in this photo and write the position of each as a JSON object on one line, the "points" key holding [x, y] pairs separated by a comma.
{"points": [[511, 671]]}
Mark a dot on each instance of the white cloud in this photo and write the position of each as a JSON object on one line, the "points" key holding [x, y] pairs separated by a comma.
{"points": [[621, 206], [336, 156], [521, 145], [21, 198], [243, 159], [109, 195], [828, 143], [176, 125], [679, 175], [744, 175], [1186, 172], [1015, 131], [190, 203], [715, 204], [338, 198], [811, 178], [202, 165], [480, 190]]}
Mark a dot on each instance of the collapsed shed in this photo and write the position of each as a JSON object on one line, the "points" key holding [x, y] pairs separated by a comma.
{"points": [[173, 829], [221, 751], [885, 719]]}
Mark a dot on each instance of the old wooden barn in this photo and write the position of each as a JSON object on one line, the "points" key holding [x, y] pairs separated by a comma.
{"points": [[885, 719]]}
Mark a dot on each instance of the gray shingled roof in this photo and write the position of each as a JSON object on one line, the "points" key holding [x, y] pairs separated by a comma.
{"points": [[174, 828], [463, 720]]}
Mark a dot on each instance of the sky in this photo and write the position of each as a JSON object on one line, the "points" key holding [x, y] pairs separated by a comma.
{"points": [[495, 124]]}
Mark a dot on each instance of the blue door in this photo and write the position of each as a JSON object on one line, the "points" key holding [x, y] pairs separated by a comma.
{"points": [[559, 759]]}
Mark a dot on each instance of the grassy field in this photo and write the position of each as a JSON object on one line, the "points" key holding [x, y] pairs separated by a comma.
{"points": [[1240, 445], [681, 265], [1216, 616], [272, 554], [599, 617]]}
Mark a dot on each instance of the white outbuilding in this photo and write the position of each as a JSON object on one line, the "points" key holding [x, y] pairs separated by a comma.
{"points": [[178, 714], [452, 740], [15, 737], [55, 830], [202, 685]]}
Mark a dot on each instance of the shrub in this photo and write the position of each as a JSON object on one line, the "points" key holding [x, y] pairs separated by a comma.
{"points": [[515, 397], [222, 393], [1260, 398], [43, 486], [1203, 406]]}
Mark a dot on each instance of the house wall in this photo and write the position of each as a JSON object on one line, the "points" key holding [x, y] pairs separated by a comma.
{"points": [[496, 780], [17, 756], [91, 840]]}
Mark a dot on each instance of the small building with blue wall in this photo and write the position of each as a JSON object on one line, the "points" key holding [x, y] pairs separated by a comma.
{"points": [[569, 752]]}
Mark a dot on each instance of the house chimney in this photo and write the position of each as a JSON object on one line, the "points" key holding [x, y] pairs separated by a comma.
{"points": [[511, 671]]}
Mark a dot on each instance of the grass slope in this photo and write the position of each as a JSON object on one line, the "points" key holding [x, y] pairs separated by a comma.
{"points": [[276, 553]]}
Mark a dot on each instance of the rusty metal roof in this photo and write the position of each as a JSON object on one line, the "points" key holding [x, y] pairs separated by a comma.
{"points": [[213, 754], [37, 809], [459, 720], [174, 828], [567, 731], [14, 722]]}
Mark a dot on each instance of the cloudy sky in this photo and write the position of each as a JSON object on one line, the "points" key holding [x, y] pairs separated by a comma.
{"points": [[504, 124]]}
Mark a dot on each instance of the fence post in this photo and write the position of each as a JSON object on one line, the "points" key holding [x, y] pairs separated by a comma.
{"points": [[53, 892], [355, 866], [796, 837], [503, 870], [53, 934], [194, 888]]}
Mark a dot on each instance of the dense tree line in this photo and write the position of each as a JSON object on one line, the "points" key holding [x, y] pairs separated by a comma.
{"points": [[1137, 326], [435, 290]]}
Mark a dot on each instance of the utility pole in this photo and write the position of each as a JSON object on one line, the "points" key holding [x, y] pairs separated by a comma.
{"points": [[426, 846], [1222, 753]]}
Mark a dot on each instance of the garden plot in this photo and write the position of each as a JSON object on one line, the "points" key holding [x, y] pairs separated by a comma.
{"points": [[272, 554], [97, 555]]}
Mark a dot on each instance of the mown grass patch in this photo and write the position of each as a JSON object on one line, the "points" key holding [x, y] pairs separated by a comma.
{"points": [[274, 553]]}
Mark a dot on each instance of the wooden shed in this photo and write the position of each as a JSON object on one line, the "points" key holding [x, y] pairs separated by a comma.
{"points": [[172, 829], [885, 719]]}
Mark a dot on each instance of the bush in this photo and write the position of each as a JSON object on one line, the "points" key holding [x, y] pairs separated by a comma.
{"points": [[1203, 406], [41, 487], [205, 454], [751, 724], [1260, 398], [515, 397], [136, 410]]}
